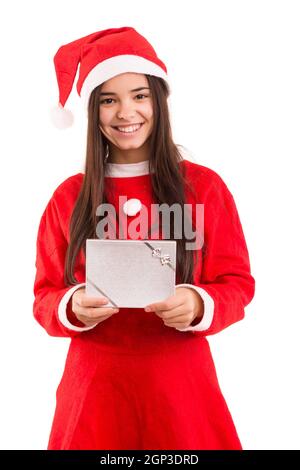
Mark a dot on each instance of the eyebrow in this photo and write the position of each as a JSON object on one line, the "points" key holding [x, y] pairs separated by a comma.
{"points": [[131, 91]]}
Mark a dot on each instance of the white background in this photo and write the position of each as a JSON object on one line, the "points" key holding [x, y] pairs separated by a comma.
{"points": [[234, 69]]}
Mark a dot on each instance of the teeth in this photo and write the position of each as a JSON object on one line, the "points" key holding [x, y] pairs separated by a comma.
{"points": [[129, 128]]}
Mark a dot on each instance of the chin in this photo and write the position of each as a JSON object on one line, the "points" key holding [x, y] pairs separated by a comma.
{"points": [[130, 146], [135, 143]]}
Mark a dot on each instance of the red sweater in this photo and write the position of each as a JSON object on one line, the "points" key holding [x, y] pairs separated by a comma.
{"points": [[222, 273]]}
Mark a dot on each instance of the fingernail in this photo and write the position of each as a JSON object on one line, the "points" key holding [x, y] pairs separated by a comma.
{"points": [[116, 310], [148, 309]]}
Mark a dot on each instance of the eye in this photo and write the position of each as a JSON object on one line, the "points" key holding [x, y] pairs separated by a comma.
{"points": [[106, 99], [141, 95]]}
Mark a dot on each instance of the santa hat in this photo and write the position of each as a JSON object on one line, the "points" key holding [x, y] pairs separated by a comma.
{"points": [[102, 55]]}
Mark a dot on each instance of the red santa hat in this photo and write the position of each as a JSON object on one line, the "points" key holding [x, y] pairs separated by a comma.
{"points": [[102, 55]]}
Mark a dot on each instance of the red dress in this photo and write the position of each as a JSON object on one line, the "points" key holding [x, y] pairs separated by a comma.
{"points": [[131, 382]]}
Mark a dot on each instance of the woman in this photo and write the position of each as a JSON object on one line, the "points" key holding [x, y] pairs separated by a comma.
{"points": [[137, 378]]}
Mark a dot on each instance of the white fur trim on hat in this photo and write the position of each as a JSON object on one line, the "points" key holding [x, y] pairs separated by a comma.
{"points": [[115, 66]]}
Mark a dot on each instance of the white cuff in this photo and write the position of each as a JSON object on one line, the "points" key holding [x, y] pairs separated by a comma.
{"points": [[207, 318], [62, 310]]}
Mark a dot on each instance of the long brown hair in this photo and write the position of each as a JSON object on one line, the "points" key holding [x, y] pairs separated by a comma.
{"points": [[167, 180]]}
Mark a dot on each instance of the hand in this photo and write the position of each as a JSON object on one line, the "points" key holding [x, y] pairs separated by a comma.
{"points": [[88, 309], [181, 309]]}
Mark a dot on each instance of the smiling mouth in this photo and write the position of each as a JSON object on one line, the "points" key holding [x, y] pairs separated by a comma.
{"points": [[130, 129]]}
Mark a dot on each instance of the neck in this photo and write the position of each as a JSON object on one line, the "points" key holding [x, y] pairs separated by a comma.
{"points": [[117, 155]]}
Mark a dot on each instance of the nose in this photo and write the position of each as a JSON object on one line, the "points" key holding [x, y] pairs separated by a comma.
{"points": [[126, 111]]}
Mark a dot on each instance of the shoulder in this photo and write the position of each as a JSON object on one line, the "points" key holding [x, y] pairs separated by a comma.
{"points": [[69, 187], [61, 204], [66, 193], [209, 188], [203, 178]]}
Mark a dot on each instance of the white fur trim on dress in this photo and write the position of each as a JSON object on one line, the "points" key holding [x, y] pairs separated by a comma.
{"points": [[119, 170], [115, 66], [209, 305], [62, 310]]}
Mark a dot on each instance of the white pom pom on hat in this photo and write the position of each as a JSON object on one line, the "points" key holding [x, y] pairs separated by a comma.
{"points": [[101, 55], [61, 118]]}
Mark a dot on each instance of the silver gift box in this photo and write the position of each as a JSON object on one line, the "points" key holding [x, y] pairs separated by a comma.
{"points": [[130, 273]]}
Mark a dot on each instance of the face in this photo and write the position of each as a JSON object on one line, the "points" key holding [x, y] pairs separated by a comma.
{"points": [[126, 111]]}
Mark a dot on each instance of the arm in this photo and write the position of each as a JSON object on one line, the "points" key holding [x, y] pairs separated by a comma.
{"points": [[225, 282], [52, 304]]}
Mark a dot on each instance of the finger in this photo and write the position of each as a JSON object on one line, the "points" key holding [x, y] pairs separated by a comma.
{"points": [[87, 301], [93, 319], [176, 325], [95, 312], [174, 313], [168, 304], [89, 322], [179, 322]]}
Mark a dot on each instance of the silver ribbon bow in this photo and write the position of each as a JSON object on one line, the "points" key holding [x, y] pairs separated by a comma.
{"points": [[164, 259]]}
